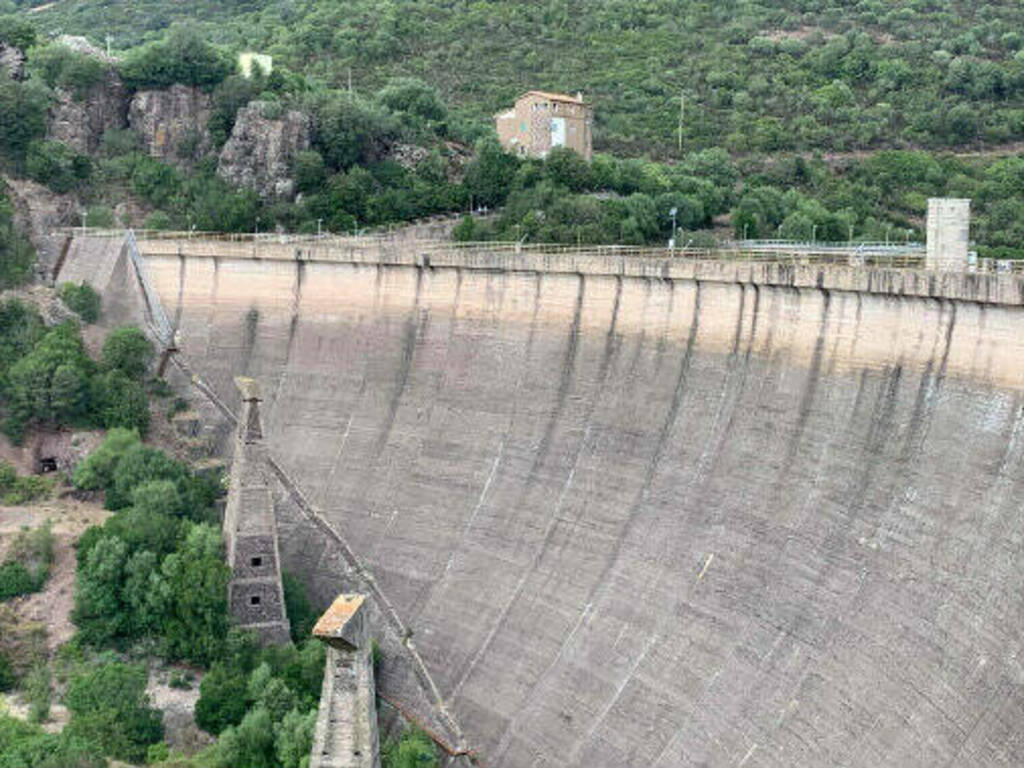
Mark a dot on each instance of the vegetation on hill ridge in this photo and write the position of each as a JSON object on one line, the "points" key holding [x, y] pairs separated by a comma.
{"points": [[757, 76], [767, 88]]}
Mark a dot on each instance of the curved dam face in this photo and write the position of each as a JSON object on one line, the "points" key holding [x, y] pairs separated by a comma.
{"points": [[638, 521]]}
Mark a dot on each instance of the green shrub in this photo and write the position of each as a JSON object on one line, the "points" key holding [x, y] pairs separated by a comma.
{"points": [[16, 490], [119, 401], [82, 299], [127, 350], [16, 259], [6, 674], [413, 750], [23, 110], [56, 165], [15, 580], [413, 98], [301, 615], [16, 31], [101, 216], [183, 56], [109, 708], [50, 383], [25, 745], [62, 67], [38, 690], [155, 182], [96, 471], [222, 698], [28, 558], [158, 220]]}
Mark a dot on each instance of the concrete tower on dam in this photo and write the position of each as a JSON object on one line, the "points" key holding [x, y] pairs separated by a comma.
{"points": [[949, 226], [641, 512], [346, 726], [255, 593]]}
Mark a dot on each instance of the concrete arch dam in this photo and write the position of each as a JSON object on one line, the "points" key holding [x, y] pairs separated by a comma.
{"points": [[648, 513]]}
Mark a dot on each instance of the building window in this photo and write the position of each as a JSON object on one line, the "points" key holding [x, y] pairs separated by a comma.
{"points": [[254, 600], [256, 562]]}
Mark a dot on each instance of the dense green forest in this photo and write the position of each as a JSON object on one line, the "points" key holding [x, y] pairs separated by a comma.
{"points": [[803, 119], [756, 76]]}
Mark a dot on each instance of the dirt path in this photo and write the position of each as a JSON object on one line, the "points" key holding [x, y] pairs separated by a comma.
{"points": [[52, 606]]}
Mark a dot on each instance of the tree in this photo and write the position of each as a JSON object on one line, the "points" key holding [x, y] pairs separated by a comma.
{"points": [[138, 465], [350, 130], [413, 750], [96, 471], [196, 621], [23, 108], [145, 530], [411, 96], [222, 698], [17, 32], [250, 744], [310, 171], [119, 401], [34, 388], [294, 740], [82, 299], [109, 707], [100, 613], [183, 56], [301, 615], [127, 350], [567, 168], [490, 173]]}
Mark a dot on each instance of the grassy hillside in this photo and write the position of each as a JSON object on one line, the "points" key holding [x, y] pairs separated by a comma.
{"points": [[784, 75]]}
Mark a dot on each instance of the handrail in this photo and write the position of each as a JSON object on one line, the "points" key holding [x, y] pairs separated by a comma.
{"points": [[333, 247]]}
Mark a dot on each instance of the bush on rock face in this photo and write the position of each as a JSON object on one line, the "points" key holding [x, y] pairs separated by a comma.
{"points": [[82, 299], [183, 57]]}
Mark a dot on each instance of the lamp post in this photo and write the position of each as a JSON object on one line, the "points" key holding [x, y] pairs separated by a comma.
{"points": [[672, 242], [85, 220], [319, 223], [814, 234]]}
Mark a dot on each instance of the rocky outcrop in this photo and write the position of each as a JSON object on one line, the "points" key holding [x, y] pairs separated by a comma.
{"points": [[408, 155], [38, 212], [12, 62], [80, 120], [173, 123], [261, 151]]}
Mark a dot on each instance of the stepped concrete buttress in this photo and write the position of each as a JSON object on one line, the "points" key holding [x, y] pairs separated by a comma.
{"points": [[346, 726], [255, 594]]}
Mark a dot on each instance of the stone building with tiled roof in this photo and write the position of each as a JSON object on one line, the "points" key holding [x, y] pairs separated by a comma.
{"points": [[541, 121]]}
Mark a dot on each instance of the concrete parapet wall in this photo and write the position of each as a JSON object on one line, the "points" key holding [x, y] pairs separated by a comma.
{"points": [[961, 286]]}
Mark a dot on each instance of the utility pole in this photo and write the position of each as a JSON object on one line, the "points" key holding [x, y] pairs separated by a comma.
{"points": [[108, 46], [682, 115]]}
